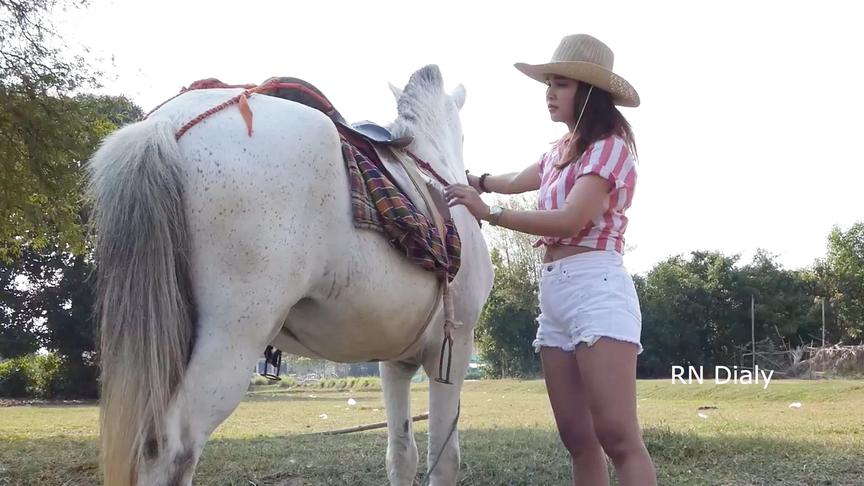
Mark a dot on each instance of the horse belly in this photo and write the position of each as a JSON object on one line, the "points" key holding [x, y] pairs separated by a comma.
{"points": [[370, 304]]}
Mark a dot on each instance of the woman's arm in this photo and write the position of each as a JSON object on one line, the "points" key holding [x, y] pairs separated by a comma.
{"points": [[586, 201], [512, 183]]}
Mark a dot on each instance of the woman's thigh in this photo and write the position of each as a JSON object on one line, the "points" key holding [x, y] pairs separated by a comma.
{"points": [[567, 395], [608, 374]]}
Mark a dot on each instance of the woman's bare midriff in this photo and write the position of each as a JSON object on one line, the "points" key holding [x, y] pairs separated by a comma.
{"points": [[557, 252]]}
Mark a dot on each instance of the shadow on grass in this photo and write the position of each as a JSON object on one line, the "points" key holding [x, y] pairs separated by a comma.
{"points": [[489, 457]]}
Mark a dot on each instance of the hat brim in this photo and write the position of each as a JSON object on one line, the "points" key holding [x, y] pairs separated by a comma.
{"points": [[623, 93]]}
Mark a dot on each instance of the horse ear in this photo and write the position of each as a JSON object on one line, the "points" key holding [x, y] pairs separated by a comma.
{"points": [[397, 92], [459, 96]]}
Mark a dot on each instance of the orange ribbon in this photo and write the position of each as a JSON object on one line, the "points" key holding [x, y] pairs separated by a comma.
{"points": [[245, 112]]}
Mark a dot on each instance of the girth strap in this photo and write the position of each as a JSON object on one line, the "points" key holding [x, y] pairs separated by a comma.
{"points": [[450, 322]]}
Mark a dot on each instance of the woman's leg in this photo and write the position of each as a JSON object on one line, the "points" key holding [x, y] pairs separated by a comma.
{"points": [[608, 371], [569, 404]]}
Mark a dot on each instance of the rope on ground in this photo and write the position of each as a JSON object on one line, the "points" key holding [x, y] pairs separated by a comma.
{"points": [[376, 425]]}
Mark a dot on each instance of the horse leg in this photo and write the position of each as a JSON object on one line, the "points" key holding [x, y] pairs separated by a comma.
{"points": [[227, 347], [443, 453], [401, 448]]}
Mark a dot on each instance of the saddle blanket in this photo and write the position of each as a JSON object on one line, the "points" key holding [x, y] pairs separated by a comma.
{"points": [[378, 204]]}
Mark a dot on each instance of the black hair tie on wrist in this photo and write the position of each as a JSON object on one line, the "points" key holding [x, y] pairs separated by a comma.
{"points": [[482, 182]]}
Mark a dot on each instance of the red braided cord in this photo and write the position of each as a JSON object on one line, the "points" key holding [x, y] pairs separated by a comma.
{"points": [[271, 85], [191, 123], [429, 169], [208, 83]]}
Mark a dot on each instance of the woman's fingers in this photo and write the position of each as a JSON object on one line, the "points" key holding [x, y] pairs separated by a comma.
{"points": [[458, 190], [457, 194]]}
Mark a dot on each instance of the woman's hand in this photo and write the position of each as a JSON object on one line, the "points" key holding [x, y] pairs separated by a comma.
{"points": [[474, 182], [467, 196]]}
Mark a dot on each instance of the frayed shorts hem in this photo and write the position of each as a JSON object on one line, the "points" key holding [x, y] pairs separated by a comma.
{"points": [[589, 340]]}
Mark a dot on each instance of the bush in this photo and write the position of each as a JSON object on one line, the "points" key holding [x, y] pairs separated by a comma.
{"points": [[288, 382], [477, 373], [258, 380], [44, 376], [16, 377], [49, 381]]}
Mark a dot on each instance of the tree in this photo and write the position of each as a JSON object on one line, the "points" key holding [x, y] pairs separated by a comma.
{"points": [[45, 133], [845, 264], [680, 318], [696, 311], [20, 333], [785, 307], [46, 293], [69, 325], [51, 308], [507, 325]]}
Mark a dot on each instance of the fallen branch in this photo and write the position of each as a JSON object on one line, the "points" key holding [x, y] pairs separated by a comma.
{"points": [[377, 425]]}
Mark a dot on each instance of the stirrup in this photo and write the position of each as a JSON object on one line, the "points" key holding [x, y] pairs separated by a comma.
{"points": [[448, 340], [272, 358]]}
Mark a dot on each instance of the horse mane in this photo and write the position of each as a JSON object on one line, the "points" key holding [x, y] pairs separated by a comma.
{"points": [[416, 108], [426, 112]]}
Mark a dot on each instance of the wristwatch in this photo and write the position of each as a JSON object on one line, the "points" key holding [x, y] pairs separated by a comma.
{"points": [[495, 212]]}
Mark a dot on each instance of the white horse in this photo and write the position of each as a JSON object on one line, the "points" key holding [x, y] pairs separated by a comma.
{"points": [[213, 247]]}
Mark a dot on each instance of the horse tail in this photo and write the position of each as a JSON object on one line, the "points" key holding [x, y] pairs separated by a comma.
{"points": [[144, 305]]}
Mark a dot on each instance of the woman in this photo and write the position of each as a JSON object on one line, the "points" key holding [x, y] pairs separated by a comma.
{"points": [[590, 322]]}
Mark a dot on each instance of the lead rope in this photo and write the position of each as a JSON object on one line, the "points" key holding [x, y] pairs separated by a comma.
{"points": [[424, 480]]}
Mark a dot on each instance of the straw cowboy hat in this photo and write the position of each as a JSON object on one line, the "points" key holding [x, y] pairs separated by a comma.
{"points": [[584, 58]]}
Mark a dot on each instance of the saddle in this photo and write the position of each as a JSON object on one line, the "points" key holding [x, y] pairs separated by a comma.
{"points": [[402, 172], [366, 130]]}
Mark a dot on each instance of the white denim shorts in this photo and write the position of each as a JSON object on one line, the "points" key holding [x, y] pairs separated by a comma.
{"points": [[584, 297]]}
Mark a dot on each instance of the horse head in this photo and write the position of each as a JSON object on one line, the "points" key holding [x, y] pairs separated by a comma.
{"points": [[430, 115]]}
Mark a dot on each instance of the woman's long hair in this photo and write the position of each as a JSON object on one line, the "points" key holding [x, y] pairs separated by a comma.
{"points": [[599, 120]]}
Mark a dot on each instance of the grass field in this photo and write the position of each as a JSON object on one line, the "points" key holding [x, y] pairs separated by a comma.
{"points": [[507, 437]]}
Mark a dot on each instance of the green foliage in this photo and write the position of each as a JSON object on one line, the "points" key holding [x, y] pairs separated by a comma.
{"points": [[20, 333], [696, 311], [16, 377], [845, 280], [46, 295], [287, 382], [53, 311], [34, 376], [45, 133], [258, 380], [42, 153], [349, 383], [475, 374], [507, 325], [46, 130]]}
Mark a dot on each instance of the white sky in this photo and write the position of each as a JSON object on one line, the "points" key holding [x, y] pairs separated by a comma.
{"points": [[745, 134]]}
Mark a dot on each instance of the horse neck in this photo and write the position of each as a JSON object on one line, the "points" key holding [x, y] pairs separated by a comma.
{"points": [[445, 161]]}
